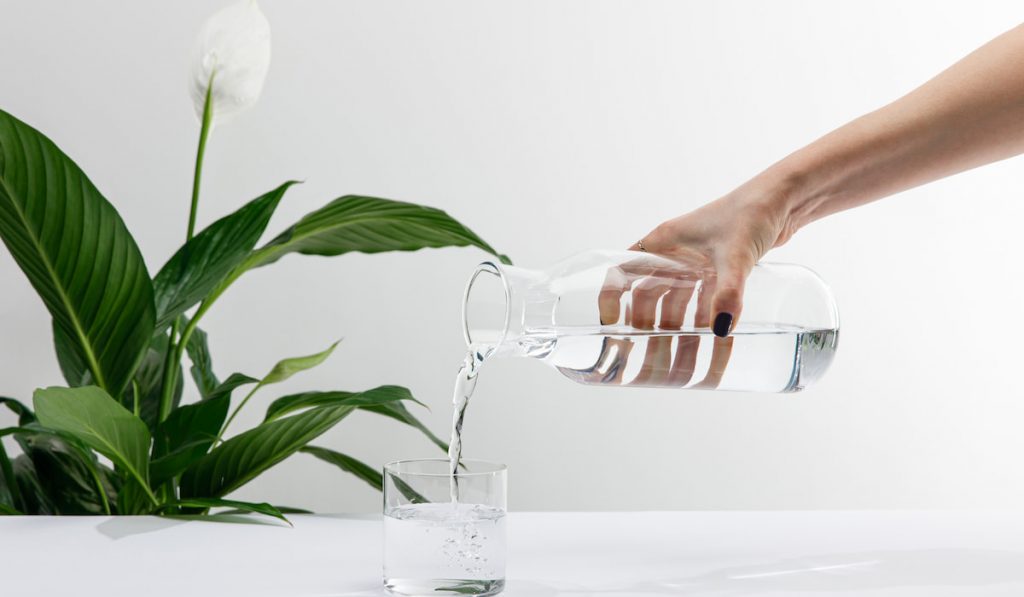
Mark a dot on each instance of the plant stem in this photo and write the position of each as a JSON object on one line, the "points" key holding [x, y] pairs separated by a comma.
{"points": [[100, 490], [175, 351], [235, 412], [179, 350], [166, 492], [170, 374], [204, 132], [149, 492], [136, 409], [174, 347]]}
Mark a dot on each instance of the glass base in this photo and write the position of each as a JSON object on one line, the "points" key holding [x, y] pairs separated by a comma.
{"points": [[421, 587]]}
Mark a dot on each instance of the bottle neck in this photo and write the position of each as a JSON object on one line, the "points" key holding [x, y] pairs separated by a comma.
{"points": [[501, 303]]}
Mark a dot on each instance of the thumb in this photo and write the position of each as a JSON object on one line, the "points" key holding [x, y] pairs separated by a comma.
{"points": [[727, 303]]}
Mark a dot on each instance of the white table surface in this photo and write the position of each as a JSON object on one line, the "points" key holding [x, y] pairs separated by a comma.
{"points": [[877, 554]]}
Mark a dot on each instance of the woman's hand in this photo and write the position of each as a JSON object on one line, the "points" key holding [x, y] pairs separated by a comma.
{"points": [[728, 236], [714, 249]]}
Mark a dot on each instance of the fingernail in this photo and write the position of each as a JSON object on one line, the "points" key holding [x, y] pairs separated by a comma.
{"points": [[723, 322]]}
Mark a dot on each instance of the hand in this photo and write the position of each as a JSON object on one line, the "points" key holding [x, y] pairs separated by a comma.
{"points": [[716, 246], [724, 239]]}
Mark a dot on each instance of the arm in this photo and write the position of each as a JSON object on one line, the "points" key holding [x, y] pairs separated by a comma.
{"points": [[969, 115]]}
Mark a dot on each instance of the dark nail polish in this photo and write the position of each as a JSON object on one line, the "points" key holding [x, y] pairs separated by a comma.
{"points": [[723, 323]]}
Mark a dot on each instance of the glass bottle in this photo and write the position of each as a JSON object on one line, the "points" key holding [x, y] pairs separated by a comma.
{"points": [[625, 318]]}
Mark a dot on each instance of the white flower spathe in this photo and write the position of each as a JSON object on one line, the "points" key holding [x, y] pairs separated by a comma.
{"points": [[234, 48]]}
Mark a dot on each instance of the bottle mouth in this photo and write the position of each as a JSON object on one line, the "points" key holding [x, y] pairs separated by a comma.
{"points": [[486, 306]]}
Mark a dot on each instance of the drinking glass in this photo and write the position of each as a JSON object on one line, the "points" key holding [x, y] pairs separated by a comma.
{"points": [[436, 546]]}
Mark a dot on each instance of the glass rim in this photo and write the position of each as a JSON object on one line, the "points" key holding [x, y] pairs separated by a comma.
{"points": [[495, 467], [496, 268]]}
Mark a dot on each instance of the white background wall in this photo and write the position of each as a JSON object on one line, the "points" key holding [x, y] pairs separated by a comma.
{"points": [[552, 127]]}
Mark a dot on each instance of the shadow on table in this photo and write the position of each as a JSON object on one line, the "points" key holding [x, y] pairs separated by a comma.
{"points": [[119, 527], [374, 590], [860, 571]]}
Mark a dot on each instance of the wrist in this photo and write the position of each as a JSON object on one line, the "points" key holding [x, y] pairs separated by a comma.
{"points": [[779, 195]]}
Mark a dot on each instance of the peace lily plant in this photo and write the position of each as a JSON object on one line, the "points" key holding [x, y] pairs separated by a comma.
{"points": [[117, 439]]}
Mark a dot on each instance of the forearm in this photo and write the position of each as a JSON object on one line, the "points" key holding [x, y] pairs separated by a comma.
{"points": [[969, 115]]}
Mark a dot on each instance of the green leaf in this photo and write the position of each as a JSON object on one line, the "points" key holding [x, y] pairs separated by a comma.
{"points": [[472, 587], [76, 252], [398, 412], [24, 413], [410, 494], [295, 402], [56, 474], [9, 494], [245, 456], [281, 371], [73, 480], [348, 464], [281, 509], [93, 417], [369, 225], [149, 378], [12, 491], [293, 510], [34, 499], [287, 405], [384, 400], [186, 436], [4, 431], [203, 262], [72, 366], [229, 385], [202, 363], [206, 503], [289, 367], [8, 511], [133, 500]]}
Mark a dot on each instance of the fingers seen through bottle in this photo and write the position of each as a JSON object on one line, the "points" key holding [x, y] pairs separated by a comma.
{"points": [[644, 301], [614, 362], [721, 348], [685, 361], [675, 302], [658, 367], [702, 313], [720, 352], [609, 367], [673, 290], [609, 299], [673, 312], [654, 371]]}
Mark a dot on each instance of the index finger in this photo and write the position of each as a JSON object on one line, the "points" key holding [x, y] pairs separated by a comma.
{"points": [[609, 300]]}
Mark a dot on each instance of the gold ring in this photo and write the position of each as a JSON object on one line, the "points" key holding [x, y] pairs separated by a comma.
{"points": [[640, 245]]}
